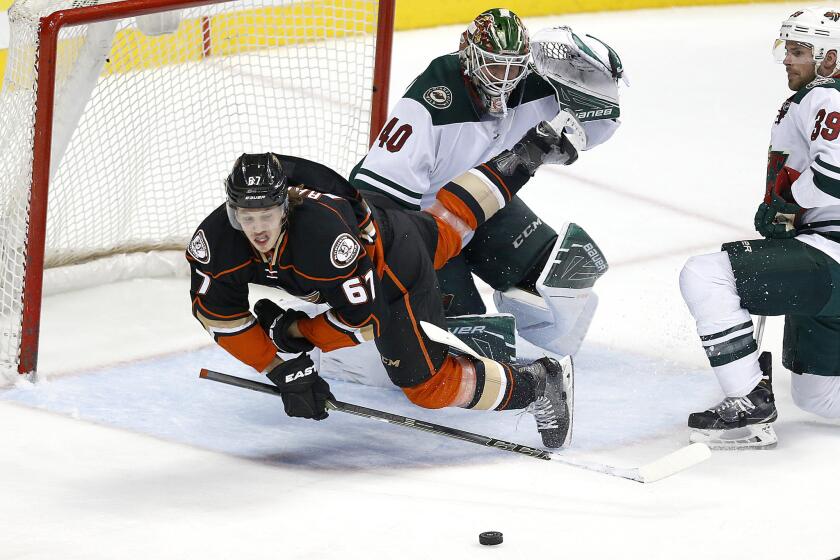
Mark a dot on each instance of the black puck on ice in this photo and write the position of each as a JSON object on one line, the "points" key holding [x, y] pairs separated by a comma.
{"points": [[490, 537]]}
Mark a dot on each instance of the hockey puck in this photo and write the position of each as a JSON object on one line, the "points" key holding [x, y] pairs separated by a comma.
{"points": [[490, 537]]}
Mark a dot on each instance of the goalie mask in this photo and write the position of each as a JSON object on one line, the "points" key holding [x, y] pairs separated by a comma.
{"points": [[258, 198], [817, 28], [494, 53]]}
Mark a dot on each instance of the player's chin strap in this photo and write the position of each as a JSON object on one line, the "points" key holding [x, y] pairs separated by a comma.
{"points": [[558, 316]]}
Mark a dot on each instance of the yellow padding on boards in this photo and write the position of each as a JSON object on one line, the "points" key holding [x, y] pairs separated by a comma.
{"points": [[239, 32], [234, 33], [415, 14], [315, 20]]}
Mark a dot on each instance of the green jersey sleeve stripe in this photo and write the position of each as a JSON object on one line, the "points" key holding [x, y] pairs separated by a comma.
{"points": [[365, 174], [363, 183], [826, 184], [827, 166]]}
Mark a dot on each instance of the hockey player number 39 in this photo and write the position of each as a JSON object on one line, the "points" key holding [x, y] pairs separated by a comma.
{"points": [[829, 129], [354, 288], [397, 141]]}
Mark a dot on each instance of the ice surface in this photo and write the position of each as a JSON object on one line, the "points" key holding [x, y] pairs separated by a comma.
{"points": [[125, 453]]}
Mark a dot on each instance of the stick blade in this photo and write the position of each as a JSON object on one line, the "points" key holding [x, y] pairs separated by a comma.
{"points": [[675, 462], [445, 337]]}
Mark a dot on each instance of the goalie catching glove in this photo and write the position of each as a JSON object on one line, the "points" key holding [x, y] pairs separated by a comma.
{"points": [[578, 62], [304, 392], [276, 321]]}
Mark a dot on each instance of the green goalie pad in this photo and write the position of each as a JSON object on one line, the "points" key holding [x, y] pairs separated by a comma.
{"points": [[492, 336], [577, 263]]}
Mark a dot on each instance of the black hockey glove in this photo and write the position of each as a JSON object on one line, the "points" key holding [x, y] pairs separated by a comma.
{"points": [[275, 321], [778, 219], [303, 391], [541, 145]]}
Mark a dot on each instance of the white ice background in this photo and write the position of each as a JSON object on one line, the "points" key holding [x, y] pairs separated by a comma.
{"points": [[124, 453]]}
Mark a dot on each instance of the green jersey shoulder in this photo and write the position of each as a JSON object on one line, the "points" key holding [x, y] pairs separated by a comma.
{"points": [[818, 84], [442, 91]]}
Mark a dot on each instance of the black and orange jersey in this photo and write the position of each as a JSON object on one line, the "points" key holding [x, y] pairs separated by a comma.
{"points": [[329, 254]]}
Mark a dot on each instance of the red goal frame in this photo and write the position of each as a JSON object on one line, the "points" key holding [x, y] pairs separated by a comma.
{"points": [[47, 55]]}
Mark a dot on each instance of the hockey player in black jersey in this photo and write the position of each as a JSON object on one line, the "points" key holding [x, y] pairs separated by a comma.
{"points": [[297, 225]]}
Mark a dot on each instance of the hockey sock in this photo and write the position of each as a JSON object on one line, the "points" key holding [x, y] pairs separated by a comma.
{"points": [[477, 383], [725, 328], [499, 386], [494, 385]]}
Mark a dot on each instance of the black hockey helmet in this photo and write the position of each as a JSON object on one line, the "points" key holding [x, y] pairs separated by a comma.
{"points": [[257, 181]]}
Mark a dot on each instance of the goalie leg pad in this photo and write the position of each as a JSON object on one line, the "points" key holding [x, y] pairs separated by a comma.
{"points": [[558, 319], [491, 336]]}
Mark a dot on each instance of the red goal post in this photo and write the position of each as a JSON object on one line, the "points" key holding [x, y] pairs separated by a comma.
{"points": [[307, 78]]}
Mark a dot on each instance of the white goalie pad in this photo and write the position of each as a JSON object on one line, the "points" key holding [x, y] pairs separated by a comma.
{"points": [[357, 364], [559, 317], [557, 322]]}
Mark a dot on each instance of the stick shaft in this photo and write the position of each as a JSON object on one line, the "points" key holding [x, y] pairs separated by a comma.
{"points": [[759, 329], [390, 418], [636, 474]]}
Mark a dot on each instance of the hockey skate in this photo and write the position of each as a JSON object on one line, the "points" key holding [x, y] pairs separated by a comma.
{"points": [[740, 422], [554, 403]]}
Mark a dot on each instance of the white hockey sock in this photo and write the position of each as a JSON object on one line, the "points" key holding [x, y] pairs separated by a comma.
{"points": [[725, 328]]}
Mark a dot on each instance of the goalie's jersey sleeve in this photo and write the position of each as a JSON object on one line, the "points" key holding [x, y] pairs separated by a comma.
{"points": [[223, 263], [805, 139], [434, 133]]}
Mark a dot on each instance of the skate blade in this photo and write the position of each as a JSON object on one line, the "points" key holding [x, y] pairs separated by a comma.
{"points": [[756, 436], [568, 373]]}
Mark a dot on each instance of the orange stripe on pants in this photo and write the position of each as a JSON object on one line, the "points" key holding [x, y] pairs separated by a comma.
{"points": [[441, 389]]}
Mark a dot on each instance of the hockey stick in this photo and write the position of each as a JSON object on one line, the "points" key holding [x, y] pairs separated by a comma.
{"points": [[445, 337], [759, 328], [666, 466]]}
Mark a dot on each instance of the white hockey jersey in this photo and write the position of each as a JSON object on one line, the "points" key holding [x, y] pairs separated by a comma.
{"points": [[434, 132], [806, 138]]}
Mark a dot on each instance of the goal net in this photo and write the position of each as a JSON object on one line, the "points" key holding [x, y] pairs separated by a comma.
{"points": [[120, 121]]}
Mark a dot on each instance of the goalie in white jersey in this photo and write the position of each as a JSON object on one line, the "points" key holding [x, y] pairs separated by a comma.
{"points": [[795, 271], [466, 108]]}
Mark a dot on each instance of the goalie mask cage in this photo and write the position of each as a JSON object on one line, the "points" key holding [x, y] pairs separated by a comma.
{"points": [[121, 119]]}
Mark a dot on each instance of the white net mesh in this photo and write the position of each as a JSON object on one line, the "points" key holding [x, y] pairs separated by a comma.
{"points": [[146, 127]]}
